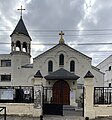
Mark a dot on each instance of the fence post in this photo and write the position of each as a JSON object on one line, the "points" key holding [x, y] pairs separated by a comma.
{"points": [[4, 113], [88, 96], [37, 81]]}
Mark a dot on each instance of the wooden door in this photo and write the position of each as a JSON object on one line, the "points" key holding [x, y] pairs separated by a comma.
{"points": [[61, 93]]}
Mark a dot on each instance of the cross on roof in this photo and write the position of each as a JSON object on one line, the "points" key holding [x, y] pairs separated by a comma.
{"points": [[61, 34], [21, 10], [61, 41]]}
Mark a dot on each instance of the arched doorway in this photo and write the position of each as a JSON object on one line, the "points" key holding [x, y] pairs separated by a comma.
{"points": [[61, 93]]}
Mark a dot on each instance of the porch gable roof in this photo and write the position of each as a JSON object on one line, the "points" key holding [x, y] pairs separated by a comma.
{"points": [[61, 74]]}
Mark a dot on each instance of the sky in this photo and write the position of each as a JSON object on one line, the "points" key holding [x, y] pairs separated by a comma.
{"points": [[87, 25]]}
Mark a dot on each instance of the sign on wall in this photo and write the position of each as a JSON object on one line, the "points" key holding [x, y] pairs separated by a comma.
{"points": [[6, 94]]}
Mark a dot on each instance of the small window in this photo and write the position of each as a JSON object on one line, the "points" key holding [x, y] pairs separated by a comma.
{"points": [[109, 68], [72, 66], [5, 78], [61, 59], [50, 66], [109, 84], [5, 63]]}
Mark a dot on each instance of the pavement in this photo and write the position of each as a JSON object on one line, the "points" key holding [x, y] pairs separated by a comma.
{"points": [[47, 117], [104, 118], [51, 117]]}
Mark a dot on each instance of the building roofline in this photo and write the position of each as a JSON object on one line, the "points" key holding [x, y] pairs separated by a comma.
{"points": [[104, 60], [64, 45], [97, 69]]}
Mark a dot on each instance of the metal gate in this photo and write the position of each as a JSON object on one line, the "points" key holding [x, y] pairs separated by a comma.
{"points": [[50, 108]]}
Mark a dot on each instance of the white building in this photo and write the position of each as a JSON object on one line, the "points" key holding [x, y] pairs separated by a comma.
{"points": [[61, 67], [106, 67]]}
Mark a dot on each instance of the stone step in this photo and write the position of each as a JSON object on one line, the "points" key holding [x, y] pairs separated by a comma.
{"points": [[68, 108]]}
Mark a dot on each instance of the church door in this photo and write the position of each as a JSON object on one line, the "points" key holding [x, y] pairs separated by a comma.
{"points": [[61, 93]]}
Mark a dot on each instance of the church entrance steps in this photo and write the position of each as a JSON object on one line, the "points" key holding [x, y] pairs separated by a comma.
{"points": [[68, 107], [72, 111]]}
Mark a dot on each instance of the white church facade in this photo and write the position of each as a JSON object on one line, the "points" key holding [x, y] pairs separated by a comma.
{"points": [[61, 68]]}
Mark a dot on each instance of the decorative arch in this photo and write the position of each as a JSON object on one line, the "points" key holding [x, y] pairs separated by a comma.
{"points": [[18, 46], [61, 52], [50, 66], [24, 46], [73, 58], [50, 58], [72, 66], [61, 59]]}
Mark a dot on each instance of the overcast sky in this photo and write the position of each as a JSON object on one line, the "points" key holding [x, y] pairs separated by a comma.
{"points": [[82, 21]]}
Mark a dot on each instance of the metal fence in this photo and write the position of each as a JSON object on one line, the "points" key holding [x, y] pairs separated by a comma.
{"points": [[102, 95], [16, 94], [4, 110]]}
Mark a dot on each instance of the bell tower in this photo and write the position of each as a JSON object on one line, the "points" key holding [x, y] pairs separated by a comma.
{"points": [[21, 43], [20, 39]]}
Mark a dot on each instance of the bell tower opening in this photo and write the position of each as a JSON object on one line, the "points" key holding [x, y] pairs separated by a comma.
{"points": [[18, 46], [24, 47]]}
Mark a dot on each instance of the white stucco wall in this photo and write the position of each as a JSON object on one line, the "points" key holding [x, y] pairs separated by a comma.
{"points": [[21, 109], [5, 70]]}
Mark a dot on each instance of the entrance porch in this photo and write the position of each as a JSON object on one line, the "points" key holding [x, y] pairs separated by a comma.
{"points": [[63, 86], [61, 91]]}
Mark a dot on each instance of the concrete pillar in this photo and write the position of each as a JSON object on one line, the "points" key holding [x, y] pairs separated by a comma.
{"points": [[21, 47], [88, 96], [28, 48], [14, 46], [37, 80]]}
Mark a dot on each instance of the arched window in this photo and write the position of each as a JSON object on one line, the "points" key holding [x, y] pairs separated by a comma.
{"points": [[72, 66], [24, 47], [50, 66], [61, 59], [18, 46]]}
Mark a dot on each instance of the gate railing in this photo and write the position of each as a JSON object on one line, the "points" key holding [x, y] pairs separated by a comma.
{"points": [[1, 109], [16, 94], [47, 94], [102, 95]]}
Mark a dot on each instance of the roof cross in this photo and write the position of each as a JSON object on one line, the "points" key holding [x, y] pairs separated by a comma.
{"points": [[61, 33], [21, 10], [61, 39]]}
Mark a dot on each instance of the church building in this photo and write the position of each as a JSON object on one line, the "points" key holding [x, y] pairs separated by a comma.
{"points": [[106, 67], [61, 68]]}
